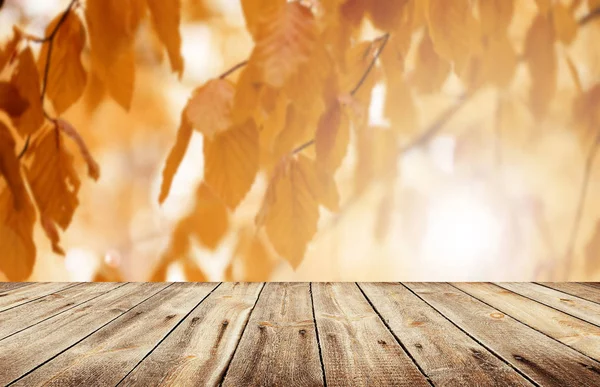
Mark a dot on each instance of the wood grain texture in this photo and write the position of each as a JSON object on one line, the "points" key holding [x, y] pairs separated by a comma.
{"points": [[575, 306], [580, 290], [540, 358], [445, 353], [279, 346], [356, 346], [4, 286], [22, 317], [24, 351], [121, 344], [199, 350], [563, 327], [20, 295]]}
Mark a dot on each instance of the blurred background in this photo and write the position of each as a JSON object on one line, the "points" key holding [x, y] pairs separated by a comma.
{"points": [[493, 196]]}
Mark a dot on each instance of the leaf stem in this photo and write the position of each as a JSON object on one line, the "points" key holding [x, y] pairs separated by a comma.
{"points": [[384, 38], [233, 69]]}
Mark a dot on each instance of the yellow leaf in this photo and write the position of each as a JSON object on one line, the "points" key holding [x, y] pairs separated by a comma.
{"points": [[431, 70], [385, 14], [400, 107], [290, 210], [499, 60], [254, 11], [111, 26], [565, 25], [66, 75], [544, 6], [453, 30], [11, 101], [184, 134], [27, 81], [53, 181], [284, 40], [10, 168], [332, 138], [209, 108], [231, 162], [541, 59], [495, 15], [16, 236], [209, 217], [166, 18], [192, 272]]}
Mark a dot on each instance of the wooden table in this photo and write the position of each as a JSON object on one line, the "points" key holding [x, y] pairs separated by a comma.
{"points": [[299, 334]]}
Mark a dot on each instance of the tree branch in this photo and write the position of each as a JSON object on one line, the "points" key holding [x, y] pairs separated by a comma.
{"points": [[587, 171], [233, 69], [589, 17]]}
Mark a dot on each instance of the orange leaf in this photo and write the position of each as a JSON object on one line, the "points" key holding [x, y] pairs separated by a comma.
{"points": [[495, 15], [431, 70], [253, 255], [209, 108], [66, 75], [332, 138], [54, 182], [11, 101], [231, 162], [7, 52], [453, 30], [290, 211], [10, 168], [16, 236], [565, 25], [284, 40], [209, 218], [166, 18], [112, 25], [184, 134], [27, 81], [255, 9]]}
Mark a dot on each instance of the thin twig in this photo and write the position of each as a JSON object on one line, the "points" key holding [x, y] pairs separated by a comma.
{"points": [[587, 171], [233, 69], [385, 38], [25, 147], [589, 17]]}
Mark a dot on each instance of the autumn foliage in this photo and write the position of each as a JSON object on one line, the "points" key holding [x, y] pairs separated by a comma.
{"points": [[285, 118]]}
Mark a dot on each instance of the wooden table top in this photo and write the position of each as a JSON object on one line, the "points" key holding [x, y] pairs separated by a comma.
{"points": [[299, 334]]}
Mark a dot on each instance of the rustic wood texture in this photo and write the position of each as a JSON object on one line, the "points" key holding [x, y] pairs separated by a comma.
{"points": [[282, 318], [357, 347], [299, 334], [21, 295], [542, 359], [575, 306], [569, 330], [200, 349], [126, 339], [581, 290], [446, 354]]}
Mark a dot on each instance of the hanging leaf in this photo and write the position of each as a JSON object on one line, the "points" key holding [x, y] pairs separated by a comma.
{"points": [[54, 182], [10, 168], [209, 108], [26, 80], [290, 209], [11, 101], [565, 25], [284, 40], [166, 19], [231, 162], [184, 135], [332, 138], [66, 75], [209, 220]]}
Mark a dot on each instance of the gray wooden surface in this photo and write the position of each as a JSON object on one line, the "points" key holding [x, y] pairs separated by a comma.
{"points": [[299, 334]]}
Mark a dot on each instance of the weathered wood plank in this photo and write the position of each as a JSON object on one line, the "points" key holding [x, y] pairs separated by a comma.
{"points": [[356, 346], [21, 317], [121, 344], [20, 295], [575, 306], [279, 345], [5, 286], [22, 352], [563, 327], [445, 353], [580, 290], [541, 358], [199, 350]]}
